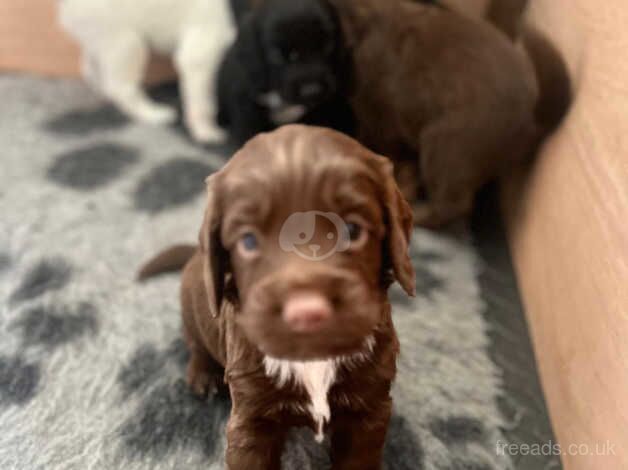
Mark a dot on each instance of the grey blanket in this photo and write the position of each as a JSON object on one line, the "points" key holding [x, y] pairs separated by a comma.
{"points": [[92, 363]]}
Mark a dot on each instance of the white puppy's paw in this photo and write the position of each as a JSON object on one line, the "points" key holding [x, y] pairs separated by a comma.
{"points": [[205, 132], [155, 114]]}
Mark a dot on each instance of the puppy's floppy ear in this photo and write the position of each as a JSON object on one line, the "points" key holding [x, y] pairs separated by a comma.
{"points": [[399, 224], [215, 257]]}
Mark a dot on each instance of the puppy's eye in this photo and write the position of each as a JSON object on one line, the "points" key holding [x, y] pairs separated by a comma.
{"points": [[248, 245], [358, 234], [249, 242], [294, 56], [354, 231]]}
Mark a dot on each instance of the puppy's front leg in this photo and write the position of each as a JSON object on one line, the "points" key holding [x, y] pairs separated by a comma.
{"points": [[121, 60], [357, 440], [197, 62], [253, 443]]}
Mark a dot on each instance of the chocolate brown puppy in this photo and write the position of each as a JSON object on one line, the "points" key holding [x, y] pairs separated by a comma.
{"points": [[451, 99], [305, 230]]}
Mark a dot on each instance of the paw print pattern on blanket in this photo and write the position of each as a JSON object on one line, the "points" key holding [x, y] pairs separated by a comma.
{"points": [[173, 183], [167, 405], [56, 325], [81, 122], [5, 262], [48, 327], [403, 449], [88, 168], [168, 185], [19, 380], [46, 275]]}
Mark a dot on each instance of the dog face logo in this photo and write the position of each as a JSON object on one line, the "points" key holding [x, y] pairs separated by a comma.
{"points": [[314, 235]]}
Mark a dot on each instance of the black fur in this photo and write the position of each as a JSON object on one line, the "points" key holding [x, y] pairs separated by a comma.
{"points": [[239, 8], [287, 46]]}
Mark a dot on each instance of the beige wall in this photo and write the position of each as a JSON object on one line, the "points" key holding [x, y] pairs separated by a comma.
{"points": [[32, 41], [569, 235]]}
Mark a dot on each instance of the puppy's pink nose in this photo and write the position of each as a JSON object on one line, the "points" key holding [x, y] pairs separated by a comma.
{"points": [[306, 312]]}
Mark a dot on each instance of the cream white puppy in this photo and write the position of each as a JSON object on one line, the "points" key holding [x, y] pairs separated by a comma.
{"points": [[117, 37]]}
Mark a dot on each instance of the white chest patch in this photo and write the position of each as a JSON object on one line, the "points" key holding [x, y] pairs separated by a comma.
{"points": [[316, 377]]}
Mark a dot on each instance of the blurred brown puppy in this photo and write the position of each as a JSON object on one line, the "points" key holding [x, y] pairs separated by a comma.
{"points": [[304, 232], [506, 15], [451, 99]]}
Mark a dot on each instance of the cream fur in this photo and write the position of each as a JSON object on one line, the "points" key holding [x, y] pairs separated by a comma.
{"points": [[117, 37], [316, 377]]}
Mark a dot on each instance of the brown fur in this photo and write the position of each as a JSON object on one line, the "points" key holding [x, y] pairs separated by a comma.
{"points": [[230, 302], [170, 260], [451, 99], [507, 15], [552, 77]]}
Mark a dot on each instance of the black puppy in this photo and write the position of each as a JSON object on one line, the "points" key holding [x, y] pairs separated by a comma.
{"points": [[239, 8], [287, 65]]}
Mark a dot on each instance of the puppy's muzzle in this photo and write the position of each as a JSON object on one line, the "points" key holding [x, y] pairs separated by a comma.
{"points": [[306, 311], [310, 86], [311, 90], [309, 312]]}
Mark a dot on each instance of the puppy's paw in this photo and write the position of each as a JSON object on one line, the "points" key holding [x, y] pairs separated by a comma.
{"points": [[204, 132], [202, 382], [156, 114]]}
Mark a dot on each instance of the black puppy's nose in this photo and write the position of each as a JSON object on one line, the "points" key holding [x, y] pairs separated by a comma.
{"points": [[311, 90]]}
